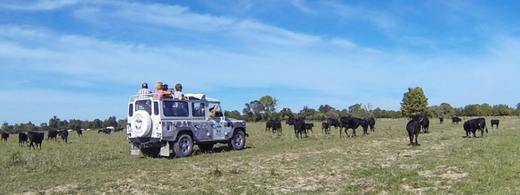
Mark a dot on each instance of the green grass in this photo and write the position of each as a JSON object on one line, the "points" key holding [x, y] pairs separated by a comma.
{"points": [[380, 163]]}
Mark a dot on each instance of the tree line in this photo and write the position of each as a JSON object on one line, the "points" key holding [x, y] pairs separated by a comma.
{"points": [[56, 123], [414, 103]]}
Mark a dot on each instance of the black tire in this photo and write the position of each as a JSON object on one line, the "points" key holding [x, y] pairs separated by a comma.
{"points": [[151, 152], [183, 147], [238, 141], [205, 147]]}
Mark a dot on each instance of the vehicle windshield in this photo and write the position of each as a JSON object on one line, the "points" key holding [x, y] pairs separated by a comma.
{"points": [[145, 105]]}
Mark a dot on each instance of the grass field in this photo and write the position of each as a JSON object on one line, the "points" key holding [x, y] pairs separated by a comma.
{"points": [[380, 163]]}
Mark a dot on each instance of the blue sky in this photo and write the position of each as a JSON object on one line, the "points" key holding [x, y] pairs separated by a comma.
{"points": [[83, 59]]}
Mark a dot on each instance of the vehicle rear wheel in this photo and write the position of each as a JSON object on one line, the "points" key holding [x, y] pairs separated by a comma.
{"points": [[205, 147], [183, 147], [238, 141]]}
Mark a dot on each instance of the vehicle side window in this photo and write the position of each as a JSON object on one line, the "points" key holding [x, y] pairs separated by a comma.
{"points": [[145, 105], [175, 108], [214, 110], [131, 110], [156, 108], [199, 109]]}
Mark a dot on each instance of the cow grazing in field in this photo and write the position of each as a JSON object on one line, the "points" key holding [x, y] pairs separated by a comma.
{"points": [[495, 122], [352, 123], [413, 128], [325, 128], [52, 135], [35, 139], [64, 134], [5, 136], [471, 127], [425, 124], [441, 120], [22, 138], [455, 120], [299, 128], [371, 123], [274, 126]]}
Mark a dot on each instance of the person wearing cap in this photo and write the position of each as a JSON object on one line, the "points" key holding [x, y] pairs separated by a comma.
{"points": [[144, 90]]}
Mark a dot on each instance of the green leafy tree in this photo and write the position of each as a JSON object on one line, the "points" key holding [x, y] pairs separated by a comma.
{"points": [[326, 109], [286, 113], [358, 110], [502, 110], [269, 106], [233, 114], [414, 102], [110, 122], [253, 111], [472, 110], [308, 113], [486, 110], [54, 123]]}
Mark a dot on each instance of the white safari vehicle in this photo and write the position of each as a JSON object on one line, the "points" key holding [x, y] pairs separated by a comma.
{"points": [[169, 127]]}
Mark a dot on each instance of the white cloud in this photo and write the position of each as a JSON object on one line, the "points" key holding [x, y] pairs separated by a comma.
{"points": [[39, 5]]}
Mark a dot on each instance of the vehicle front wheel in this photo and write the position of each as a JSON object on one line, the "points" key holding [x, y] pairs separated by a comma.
{"points": [[238, 141], [183, 147]]}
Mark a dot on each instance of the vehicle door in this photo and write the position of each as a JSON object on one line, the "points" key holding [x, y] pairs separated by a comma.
{"points": [[221, 127], [203, 127]]}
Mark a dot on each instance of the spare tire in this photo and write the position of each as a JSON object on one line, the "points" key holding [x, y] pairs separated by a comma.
{"points": [[141, 124]]}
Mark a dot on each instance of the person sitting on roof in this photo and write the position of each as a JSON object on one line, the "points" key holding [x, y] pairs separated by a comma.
{"points": [[166, 92], [161, 90], [144, 90], [177, 94]]}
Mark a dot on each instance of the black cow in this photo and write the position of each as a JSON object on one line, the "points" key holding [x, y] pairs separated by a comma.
{"points": [[105, 131], [456, 120], [441, 120], [22, 138], [274, 126], [352, 123], [35, 138], [64, 134], [309, 127], [52, 135], [414, 128], [471, 126], [495, 122], [5, 136], [325, 128], [425, 124], [333, 122], [299, 128], [371, 123]]}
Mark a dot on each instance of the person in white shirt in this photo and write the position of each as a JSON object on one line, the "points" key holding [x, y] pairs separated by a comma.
{"points": [[144, 90], [177, 94]]}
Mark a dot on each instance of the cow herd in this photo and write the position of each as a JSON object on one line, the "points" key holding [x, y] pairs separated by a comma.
{"points": [[415, 126], [302, 128], [34, 139]]}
